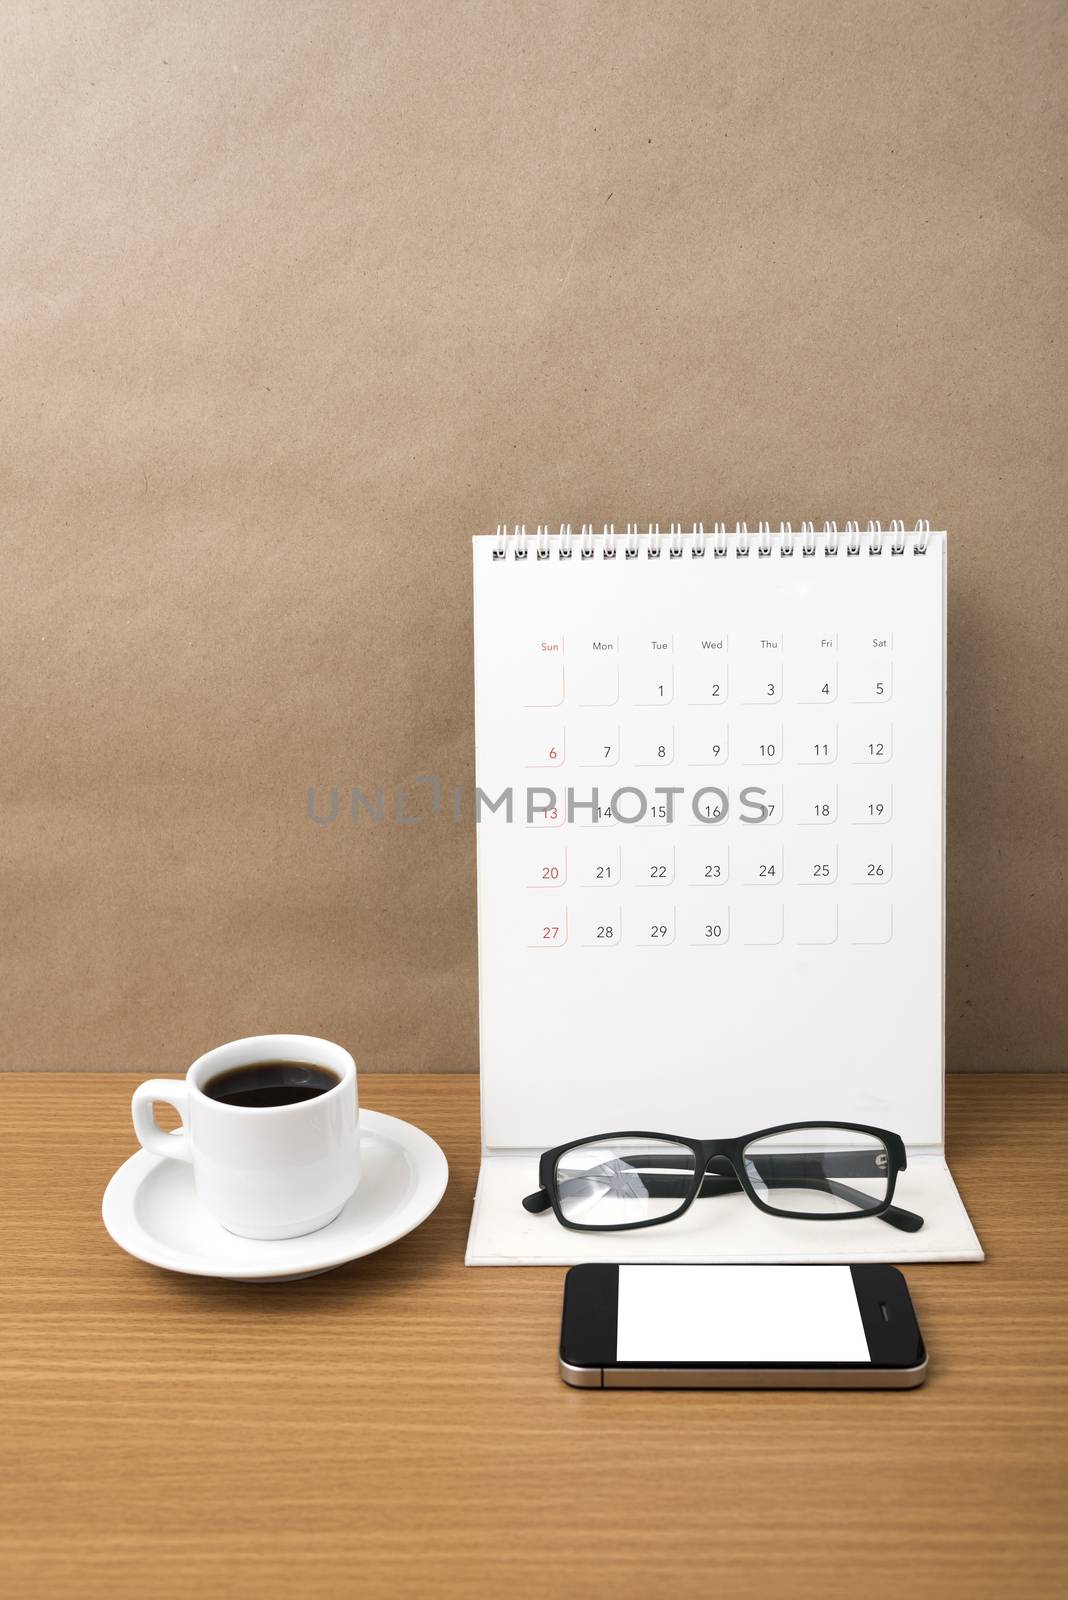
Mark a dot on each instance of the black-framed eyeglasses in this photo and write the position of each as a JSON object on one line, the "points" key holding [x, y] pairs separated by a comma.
{"points": [[815, 1171]]}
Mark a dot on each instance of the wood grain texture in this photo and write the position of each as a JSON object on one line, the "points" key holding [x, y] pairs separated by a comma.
{"points": [[297, 297], [398, 1427]]}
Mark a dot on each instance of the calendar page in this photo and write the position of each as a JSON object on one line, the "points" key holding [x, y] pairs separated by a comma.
{"points": [[712, 899]]}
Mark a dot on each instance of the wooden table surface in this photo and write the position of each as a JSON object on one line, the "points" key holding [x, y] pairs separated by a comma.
{"points": [[398, 1427]]}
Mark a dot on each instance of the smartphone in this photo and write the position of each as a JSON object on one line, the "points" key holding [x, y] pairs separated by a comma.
{"points": [[753, 1327]]}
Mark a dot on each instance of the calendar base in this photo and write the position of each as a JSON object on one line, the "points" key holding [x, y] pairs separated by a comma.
{"points": [[504, 1235]]}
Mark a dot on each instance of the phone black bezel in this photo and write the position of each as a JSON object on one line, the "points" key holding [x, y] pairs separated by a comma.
{"points": [[588, 1324]]}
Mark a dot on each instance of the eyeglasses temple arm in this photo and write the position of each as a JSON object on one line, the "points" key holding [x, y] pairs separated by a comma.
{"points": [[713, 1184], [896, 1216]]}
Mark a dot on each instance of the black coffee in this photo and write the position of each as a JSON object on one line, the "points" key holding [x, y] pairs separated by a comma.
{"points": [[271, 1083]]}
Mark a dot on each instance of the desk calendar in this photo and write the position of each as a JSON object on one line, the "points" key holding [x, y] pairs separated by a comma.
{"points": [[710, 773]]}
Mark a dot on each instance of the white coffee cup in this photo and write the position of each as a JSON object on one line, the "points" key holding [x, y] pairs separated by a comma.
{"points": [[264, 1172]]}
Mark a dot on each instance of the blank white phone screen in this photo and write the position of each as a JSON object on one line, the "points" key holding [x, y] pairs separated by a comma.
{"points": [[742, 1314]]}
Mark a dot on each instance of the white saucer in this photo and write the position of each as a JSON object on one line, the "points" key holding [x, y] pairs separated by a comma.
{"points": [[151, 1210]]}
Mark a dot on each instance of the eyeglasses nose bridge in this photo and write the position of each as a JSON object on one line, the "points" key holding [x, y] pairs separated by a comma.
{"points": [[720, 1165]]}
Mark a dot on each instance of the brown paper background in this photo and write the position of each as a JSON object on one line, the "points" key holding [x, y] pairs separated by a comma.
{"points": [[298, 296]]}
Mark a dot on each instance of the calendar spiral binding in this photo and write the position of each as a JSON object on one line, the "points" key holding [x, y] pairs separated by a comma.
{"points": [[741, 542]]}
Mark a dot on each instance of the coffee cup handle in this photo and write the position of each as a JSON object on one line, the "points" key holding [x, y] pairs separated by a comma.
{"points": [[156, 1140]]}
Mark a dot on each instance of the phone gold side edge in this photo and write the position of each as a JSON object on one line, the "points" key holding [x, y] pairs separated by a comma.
{"points": [[743, 1377]]}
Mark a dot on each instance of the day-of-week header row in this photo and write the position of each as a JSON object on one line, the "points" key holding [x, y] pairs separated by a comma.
{"points": [[859, 641]]}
